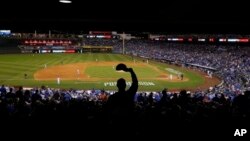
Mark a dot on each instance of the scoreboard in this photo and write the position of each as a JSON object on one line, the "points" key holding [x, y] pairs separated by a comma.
{"points": [[103, 35]]}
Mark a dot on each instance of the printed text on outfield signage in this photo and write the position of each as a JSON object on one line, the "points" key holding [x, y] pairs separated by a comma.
{"points": [[106, 84]]}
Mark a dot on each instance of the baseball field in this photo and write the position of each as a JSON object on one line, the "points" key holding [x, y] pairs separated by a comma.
{"points": [[95, 71]]}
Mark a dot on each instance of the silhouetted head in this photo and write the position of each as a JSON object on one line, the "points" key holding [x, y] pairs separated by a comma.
{"points": [[164, 91], [20, 88], [121, 84]]}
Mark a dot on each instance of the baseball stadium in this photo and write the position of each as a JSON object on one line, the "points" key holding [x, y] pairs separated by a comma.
{"points": [[91, 63], [72, 69]]}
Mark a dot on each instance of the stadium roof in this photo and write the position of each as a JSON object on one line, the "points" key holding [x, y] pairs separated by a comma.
{"points": [[169, 16]]}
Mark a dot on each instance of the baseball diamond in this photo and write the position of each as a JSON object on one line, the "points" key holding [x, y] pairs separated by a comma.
{"points": [[84, 72]]}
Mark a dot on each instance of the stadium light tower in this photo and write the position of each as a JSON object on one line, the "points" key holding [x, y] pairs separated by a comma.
{"points": [[49, 34], [65, 1], [123, 43]]}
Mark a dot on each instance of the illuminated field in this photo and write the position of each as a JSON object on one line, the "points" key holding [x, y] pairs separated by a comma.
{"points": [[95, 71]]}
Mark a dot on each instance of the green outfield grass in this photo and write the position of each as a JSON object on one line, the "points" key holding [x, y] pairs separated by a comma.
{"points": [[13, 68]]}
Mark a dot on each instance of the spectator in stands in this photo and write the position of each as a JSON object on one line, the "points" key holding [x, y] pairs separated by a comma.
{"points": [[3, 90], [123, 99], [164, 98], [121, 104], [19, 93]]}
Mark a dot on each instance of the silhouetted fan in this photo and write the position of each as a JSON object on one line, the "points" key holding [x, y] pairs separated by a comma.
{"points": [[121, 67]]}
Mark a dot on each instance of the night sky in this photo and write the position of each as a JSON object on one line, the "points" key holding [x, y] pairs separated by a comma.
{"points": [[207, 16]]}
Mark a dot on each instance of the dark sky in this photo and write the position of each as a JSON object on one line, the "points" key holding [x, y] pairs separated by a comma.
{"points": [[165, 16]]}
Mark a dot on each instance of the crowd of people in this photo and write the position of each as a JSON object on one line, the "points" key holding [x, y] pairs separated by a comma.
{"points": [[231, 62], [172, 113]]}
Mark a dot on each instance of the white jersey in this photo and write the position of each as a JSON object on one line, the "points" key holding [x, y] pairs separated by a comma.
{"points": [[171, 77], [58, 80]]}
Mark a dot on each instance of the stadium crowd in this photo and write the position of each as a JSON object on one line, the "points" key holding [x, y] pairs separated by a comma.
{"points": [[173, 113], [230, 63]]}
